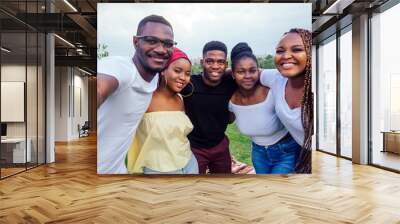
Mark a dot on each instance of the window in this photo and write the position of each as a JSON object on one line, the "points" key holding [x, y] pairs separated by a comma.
{"points": [[327, 95], [346, 93], [385, 88], [22, 65]]}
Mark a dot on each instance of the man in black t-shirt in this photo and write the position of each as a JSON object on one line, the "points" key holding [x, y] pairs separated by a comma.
{"points": [[207, 107]]}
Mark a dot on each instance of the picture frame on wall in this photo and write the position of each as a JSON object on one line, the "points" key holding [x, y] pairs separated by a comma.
{"points": [[211, 88]]}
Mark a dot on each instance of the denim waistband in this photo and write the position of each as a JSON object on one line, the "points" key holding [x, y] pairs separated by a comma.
{"points": [[285, 138]]}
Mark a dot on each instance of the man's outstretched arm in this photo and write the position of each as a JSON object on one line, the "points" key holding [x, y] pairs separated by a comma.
{"points": [[232, 117], [106, 85]]}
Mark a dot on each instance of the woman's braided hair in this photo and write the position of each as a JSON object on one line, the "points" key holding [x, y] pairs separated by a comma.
{"points": [[303, 164]]}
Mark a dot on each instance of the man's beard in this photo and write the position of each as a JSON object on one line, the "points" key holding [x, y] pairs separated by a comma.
{"points": [[149, 69], [146, 65]]}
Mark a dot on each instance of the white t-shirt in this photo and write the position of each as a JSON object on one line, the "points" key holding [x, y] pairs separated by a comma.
{"points": [[120, 114], [290, 118], [259, 121]]}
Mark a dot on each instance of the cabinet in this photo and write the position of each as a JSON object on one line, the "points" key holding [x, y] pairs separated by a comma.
{"points": [[391, 141], [13, 150]]}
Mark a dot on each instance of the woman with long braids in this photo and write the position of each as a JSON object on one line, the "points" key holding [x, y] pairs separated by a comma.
{"points": [[274, 151], [292, 90], [160, 145]]}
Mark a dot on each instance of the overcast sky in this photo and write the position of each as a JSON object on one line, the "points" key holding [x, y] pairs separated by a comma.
{"points": [[259, 24]]}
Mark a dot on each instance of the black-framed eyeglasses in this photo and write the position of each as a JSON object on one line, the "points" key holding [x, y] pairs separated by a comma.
{"points": [[154, 41]]}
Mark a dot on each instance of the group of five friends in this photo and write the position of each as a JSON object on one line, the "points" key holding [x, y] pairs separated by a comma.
{"points": [[155, 117]]}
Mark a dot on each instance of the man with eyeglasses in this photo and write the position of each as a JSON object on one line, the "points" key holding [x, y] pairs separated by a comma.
{"points": [[207, 108], [124, 90]]}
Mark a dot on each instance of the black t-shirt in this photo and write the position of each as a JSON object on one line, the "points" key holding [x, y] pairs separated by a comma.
{"points": [[207, 108]]}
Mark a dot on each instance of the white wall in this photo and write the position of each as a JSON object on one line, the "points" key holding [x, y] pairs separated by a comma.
{"points": [[80, 110], [14, 73], [71, 94], [17, 72], [62, 81], [33, 126]]}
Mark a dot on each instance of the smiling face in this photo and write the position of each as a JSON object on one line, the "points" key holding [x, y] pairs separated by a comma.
{"points": [[152, 53], [177, 75], [291, 56], [246, 73], [214, 64]]}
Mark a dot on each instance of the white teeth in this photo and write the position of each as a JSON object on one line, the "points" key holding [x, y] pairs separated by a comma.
{"points": [[159, 59], [287, 65]]}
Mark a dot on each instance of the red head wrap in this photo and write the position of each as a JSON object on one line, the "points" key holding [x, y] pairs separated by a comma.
{"points": [[177, 54]]}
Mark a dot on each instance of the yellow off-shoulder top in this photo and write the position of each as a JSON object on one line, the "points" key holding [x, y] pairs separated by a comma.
{"points": [[160, 142]]}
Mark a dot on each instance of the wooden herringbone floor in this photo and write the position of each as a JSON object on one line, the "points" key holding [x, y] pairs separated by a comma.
{"points": [[70, 191]]}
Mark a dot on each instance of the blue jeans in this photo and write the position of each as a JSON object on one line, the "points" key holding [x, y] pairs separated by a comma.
{"points": [[191, 168], [279, 158]]}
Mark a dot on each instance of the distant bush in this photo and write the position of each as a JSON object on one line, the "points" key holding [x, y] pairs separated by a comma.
{"points": [[102, 51], [266, 62], [196, 69]]}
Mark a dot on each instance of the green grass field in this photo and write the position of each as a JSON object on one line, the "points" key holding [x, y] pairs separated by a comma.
{"points": [[240, 145]]}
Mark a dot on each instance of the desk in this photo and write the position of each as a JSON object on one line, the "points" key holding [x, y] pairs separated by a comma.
{"points": [[391, 141], [18, 149]]}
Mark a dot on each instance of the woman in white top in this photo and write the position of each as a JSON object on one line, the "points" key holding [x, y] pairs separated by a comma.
{"points": [[273, 149], [292, 90]]}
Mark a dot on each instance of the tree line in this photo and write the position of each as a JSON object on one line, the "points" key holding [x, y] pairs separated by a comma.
{"points": [[265, 62]]}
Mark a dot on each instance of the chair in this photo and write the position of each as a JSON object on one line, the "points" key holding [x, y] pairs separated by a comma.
{"points": [[84, 130]]}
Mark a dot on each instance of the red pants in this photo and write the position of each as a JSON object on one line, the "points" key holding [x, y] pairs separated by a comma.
{"points": [[217, 159]]}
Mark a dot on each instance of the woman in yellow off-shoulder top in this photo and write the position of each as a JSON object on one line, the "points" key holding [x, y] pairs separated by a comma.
{"points": [[160, 145]]}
